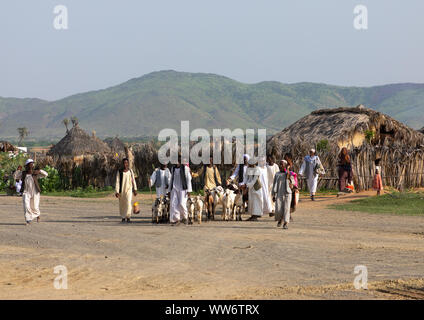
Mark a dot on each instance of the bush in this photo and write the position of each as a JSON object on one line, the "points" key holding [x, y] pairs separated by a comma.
{"points": [[8, 166], [322, 145], [52, 182]]}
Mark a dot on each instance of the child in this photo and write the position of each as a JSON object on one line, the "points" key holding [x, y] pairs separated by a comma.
{"points": [[377, 183]]}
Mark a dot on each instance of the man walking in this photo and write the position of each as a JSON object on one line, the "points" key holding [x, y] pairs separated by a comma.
{"points": [[125, 187], [161, 178], [309, 169], [180, 188], [31, 190], [282, 190]]}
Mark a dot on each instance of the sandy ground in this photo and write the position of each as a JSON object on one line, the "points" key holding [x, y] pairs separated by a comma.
{"points": [[314, 259]]}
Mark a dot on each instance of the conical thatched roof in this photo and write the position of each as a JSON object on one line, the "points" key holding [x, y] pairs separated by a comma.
{"points": [[350, 127], [116, 145], [6, 146], [77, 143]]}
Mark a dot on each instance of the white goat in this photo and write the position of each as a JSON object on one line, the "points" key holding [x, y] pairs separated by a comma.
{"points": [[228, 205], [198, 208], [218, 195]]}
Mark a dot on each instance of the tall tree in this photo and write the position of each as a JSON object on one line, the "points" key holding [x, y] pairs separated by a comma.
{"points": [[23, 133], [74, 121], [66, 123]]}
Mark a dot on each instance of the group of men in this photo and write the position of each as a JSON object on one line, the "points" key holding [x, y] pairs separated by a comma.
{"points": [[267, 187]]}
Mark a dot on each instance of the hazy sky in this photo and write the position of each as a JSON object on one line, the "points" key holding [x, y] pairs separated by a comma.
{"points": [[111, 41]]}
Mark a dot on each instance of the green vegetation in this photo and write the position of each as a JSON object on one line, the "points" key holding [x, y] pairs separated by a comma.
{"points": [[404, 203], [321, 191], [8, 166], [322, 145], [369, 135], [52, 185], [161, 99]]}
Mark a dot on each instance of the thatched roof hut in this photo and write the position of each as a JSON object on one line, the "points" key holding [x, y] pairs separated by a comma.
{"points": [[347, 127], [367, 134], [116, 145], [78, 143], [6, 147]]}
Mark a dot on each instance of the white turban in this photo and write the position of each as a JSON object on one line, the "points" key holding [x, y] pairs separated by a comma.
{"points": [[29, 161], [246, 156]]}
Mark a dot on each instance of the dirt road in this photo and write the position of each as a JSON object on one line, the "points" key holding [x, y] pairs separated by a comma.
{"points": [[314, 259]]}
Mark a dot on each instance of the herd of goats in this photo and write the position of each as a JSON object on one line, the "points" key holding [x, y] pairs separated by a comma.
{"points": [[231, 200]]}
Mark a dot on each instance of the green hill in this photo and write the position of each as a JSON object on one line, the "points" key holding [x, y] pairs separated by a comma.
{"points": [[145, 105]]}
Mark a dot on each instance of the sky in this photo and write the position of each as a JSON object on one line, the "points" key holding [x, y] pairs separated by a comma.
{"points": [[109, 42]]}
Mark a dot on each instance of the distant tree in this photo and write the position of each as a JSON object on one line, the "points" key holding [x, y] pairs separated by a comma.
{"points": [[74, 121], [23, 133], [66, 123]]}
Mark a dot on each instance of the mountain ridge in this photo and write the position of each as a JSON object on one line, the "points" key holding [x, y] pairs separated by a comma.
{"points": [[143, 106]]}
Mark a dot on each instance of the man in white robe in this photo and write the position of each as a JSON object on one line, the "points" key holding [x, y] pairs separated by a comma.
{"points": [[161, 178], [180, 188], [272, 169], [31, 190], [257, 185], [308, 169], [125, 187], [267, 199], [17, 178]]}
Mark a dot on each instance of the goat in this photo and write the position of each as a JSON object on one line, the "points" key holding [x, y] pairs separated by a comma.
{"points": [[239, 207], [159, 209], [228, 205], [208, 202], [198, 208], [218, 195], [190, 209]]}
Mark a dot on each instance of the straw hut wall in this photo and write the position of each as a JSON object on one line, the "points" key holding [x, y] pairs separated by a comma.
{"points": [[116, 145], [367, 134], [7, 147]]}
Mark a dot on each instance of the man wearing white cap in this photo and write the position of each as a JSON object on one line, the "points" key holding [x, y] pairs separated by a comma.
{"points": [[309, 168], [31, 191], [267, 199]]}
